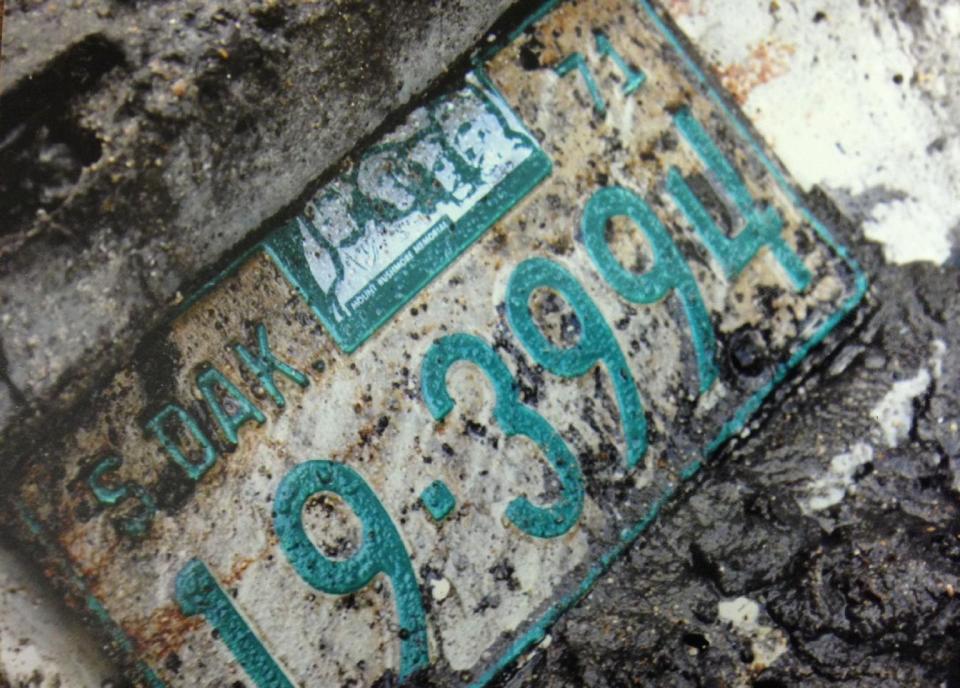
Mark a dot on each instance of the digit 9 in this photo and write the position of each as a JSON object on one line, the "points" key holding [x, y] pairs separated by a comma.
{"points": [[596, 344], [670, 272], [381, 549]]}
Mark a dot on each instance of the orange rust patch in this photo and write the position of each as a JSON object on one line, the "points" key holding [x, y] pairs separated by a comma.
{"points": [[682, 8], [767, 61], [164, 631], [242, 564], [239, 568]]}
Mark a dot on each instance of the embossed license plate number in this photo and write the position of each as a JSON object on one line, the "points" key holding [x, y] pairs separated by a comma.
{"points": [[419, 421]]}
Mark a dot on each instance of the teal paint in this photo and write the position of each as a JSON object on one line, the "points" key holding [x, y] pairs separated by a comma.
{"points": [[545, 8], [197, 592], [538, 629], [438, 500], [634, 78], [208, 381], [109, 496], [158, 426], [762, 226], [135, 524], [344, 226], [207, 287], [596, 343], [138, 524], [577, 62], [381, 551], [670, 272], [515, 419], [265, 364], [861, 283]]}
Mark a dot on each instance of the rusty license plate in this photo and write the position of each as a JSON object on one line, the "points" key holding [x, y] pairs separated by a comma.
{"points": [[422, 418]]}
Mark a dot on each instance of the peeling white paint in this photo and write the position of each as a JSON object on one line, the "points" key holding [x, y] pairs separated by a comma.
{"points": [[832, 487], [894, 412], [936, 358], [743, 615], [859, 102]]}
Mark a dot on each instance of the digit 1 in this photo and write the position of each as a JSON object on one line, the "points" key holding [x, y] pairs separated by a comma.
{"points": [[596, 343], [576, 61], [669, 272], [381, 551], [198, 592], [762, 227]]}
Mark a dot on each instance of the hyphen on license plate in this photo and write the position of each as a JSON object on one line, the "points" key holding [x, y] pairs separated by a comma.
{"points": [[421, 419]]}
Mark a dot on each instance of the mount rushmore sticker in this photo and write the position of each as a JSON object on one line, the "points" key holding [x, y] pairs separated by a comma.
{"points": [[370, 240]]}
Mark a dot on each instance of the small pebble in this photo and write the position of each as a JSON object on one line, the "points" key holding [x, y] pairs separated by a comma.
{"points": [[440, 588]]}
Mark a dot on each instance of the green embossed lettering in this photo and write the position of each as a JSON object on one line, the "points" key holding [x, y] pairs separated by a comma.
{"points": [[136, 524], [634, 79], [763, 226], [111, 496], [382, 550], [438, 500], [596, 344], [576, 61], [515, 419], [158, 426], [265, 364], [198, 592], [244, 411], [669, 272]]}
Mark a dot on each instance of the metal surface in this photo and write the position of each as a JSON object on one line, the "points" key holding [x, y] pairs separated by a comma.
{"points": [[279, 494]]}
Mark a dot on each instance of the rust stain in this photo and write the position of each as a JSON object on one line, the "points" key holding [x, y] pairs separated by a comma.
{"points": [[164, 631], [683, 8], [767, 61], [240, 567]]}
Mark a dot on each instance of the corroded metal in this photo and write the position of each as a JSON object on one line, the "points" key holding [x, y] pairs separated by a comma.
{"points": [[433, 498]]}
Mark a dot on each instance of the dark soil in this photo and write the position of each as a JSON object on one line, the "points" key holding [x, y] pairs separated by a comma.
{"points": [[863, 593]]}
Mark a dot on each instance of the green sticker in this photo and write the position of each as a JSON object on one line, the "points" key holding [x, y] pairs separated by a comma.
{"points": [[371, 239]]}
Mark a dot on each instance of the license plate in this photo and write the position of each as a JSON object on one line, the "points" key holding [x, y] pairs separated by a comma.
{"points": [[420, 420]]}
